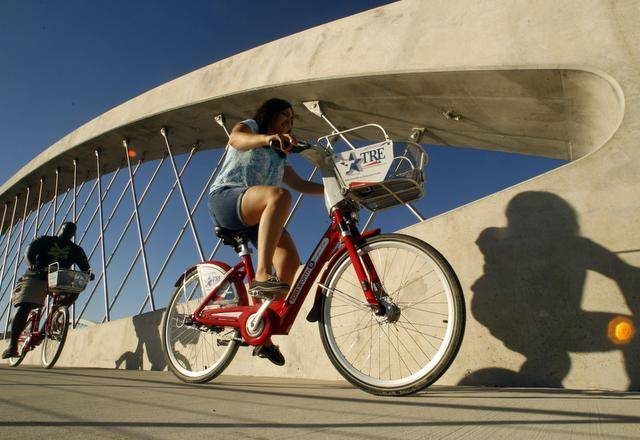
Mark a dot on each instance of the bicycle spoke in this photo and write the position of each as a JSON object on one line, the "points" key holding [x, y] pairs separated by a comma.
{"points": [[409, 305], [428, 342], [429, 311], [349, 299], [395, 348], [417, 331], [354, 332], [410, 283]]}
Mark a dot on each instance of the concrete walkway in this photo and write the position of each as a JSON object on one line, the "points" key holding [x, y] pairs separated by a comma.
{"points": [[95, 403]]}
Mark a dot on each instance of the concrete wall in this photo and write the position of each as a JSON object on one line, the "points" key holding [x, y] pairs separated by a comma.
{"points": [[545, 265]]}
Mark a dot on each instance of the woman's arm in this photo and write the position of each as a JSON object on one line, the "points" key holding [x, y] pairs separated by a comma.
{"points": [[242, 138], [304, 186]]}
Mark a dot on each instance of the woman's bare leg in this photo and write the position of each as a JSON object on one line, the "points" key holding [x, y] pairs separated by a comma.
{"points": [[286, 259], [267, 206]]}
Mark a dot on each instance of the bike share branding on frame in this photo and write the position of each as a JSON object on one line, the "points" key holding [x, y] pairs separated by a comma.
{"points": [[308, 269], [371, 163]]}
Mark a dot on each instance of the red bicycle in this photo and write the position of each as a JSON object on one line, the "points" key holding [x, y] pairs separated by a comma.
{"points": [[389, 306], [64, 285]]}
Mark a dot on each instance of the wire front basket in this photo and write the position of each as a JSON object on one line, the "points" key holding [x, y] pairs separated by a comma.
{"points": [[382, 175], [66, 280]]}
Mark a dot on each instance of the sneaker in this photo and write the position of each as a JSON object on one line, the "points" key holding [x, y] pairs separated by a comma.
{"points": [[10, 353], [273, 288], [271, 352]]}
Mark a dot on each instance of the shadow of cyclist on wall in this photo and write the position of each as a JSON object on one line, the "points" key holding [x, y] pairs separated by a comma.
{"points": [[531, 291], [146, 327]]}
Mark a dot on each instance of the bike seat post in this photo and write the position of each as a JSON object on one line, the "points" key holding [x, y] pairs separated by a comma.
{"points": [[244, 252]]}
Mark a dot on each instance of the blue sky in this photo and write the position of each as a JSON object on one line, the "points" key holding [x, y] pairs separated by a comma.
{"points": [[64, 63]]}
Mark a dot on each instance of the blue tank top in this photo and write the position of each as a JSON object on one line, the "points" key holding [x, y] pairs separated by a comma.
{"points": [[258, 166]]}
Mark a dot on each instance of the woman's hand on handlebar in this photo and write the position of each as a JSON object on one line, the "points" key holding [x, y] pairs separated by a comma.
{"points": [[282, 142]]}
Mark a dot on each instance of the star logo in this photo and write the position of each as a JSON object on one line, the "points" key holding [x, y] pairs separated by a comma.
{"points": [[59, 253], [353, 164]]}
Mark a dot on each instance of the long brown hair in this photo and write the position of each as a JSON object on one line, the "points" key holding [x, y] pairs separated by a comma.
{"points": [[269, 110]]}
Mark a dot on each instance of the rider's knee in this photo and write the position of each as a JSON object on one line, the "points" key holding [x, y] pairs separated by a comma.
{"points": [[280, 196]]}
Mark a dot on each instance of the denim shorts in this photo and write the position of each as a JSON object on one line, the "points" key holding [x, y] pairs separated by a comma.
{"points": [[224, 207]]}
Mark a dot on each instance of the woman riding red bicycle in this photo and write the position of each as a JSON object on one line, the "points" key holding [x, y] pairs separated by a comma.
{"points": [[389, 307], [248, 194]]}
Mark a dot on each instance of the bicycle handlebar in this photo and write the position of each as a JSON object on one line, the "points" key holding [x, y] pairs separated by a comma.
{"points": [[302, 145]]}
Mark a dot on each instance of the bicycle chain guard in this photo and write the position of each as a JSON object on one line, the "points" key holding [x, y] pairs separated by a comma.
{"points": [[264, 329]]}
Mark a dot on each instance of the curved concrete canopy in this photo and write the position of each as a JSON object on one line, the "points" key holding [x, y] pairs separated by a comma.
{"points": [[562, 110]]}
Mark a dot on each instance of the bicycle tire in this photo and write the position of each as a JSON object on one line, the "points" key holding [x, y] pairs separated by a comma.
{"points": [[16, 361], [451, 332], [58, 332], [179, 364]]}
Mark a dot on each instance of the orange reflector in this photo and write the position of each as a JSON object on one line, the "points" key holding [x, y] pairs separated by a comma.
{"points": [[132, 154], [620, 330]]}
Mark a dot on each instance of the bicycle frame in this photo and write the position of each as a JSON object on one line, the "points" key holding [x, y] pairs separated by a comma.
{"points": [[280, 315], [36, 335]]}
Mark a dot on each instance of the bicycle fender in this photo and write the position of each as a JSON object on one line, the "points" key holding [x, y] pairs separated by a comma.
{"points": [[314, 313], [184, 274]]}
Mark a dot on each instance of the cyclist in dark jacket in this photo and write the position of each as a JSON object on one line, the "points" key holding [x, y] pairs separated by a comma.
{"points": [[31, 289]]}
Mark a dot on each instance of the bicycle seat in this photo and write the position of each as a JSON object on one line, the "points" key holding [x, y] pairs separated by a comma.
{"points": [[231, 237]]}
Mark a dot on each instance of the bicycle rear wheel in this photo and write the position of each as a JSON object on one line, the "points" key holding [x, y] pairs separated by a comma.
{"points": [[55, 336], [401, 353], [198, 354]]}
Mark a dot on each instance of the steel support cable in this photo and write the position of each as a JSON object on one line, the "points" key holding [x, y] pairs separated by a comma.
{"points": [[11, 256], [113, 211], [7, 246], [52, 225], [15, 268], [14, 255], [41, 218], [100, 200], [38, 206], [87, 199], [163, 132], [4, 214], [56, 210], [119, 241], [215, 171], [73, 217], [24, 219], [102, 252], [181, 233], [143, 253], [4, 261], [151, 230], [71, 206], [21, 257], [221, 121]]}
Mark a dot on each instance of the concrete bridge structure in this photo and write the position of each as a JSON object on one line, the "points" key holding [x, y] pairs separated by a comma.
{"points": [[549, 267]]}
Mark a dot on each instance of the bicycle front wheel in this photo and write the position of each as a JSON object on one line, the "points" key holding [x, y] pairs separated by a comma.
{"points": [[402, 352], [194, 353], [15, 361], [55, 337]]}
